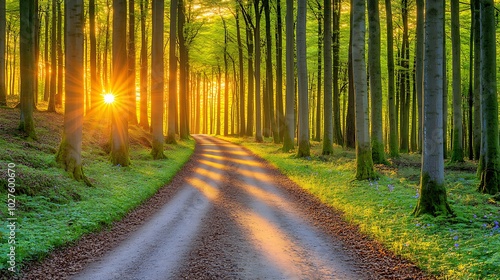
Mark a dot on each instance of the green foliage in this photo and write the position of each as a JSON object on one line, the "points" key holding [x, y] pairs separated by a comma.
{"points": [[52, 209], [463, 247]]}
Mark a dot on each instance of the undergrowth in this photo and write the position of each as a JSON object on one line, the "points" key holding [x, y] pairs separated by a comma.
{"points": [[464, 247], [53, 210]]}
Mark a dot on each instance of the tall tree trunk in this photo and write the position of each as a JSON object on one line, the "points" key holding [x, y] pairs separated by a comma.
{"points": [[328, 109], [172, 74], [157, 80], [472, 71], [432, 198], [337, 126], [183, 73], [226, 81], [53, 59], [280, 118], [489, 162], [404, 90], [350, 122], [205, 104], [288, 140], [458, 150], [143, 119], [258, 120], [132, 104], [374, 68], [3, 89], [419, 68], [27, 63], [242, 129], [119, 121], [60, 56], [303, 138], [269, 73], [364, 163], [477, 80], [70, 149], [106, 49], [219, 90], [317, 135], [393, 127], [445, 95], [95, 87], [46, 91]]}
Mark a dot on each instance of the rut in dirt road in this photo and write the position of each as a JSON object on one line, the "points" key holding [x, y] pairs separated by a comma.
{"points": [[229, 220]]}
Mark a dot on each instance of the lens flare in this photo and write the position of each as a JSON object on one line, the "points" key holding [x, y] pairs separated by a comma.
{"points": [[109, 98]]}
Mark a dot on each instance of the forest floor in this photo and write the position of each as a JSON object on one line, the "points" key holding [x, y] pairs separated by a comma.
{"points": [[228, 215]]}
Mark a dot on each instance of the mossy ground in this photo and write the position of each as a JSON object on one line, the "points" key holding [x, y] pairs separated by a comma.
{"points": [[52, 209], [461, 247]]}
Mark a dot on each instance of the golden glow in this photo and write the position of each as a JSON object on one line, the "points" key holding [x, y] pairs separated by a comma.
{"points": [[109, 98]]}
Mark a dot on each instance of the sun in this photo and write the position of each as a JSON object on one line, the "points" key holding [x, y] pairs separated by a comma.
{"points": [[109, 98]]}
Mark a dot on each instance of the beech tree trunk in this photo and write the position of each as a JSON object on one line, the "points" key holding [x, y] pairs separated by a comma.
{"points": [[258, 109], [303, 138], [393, 127], [172, 74], [327, 83], [457, 147], [143, 119], [288, 140]]}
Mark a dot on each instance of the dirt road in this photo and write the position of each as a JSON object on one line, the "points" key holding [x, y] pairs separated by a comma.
{"points": [[229, 220], [228, 215]]}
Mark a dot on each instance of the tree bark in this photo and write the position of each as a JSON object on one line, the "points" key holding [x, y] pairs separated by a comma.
{"points": [[280, 118], [53, 60], [157, 80], [119, 121], [183, 73], [458, 151], [132, 104], [432, 198], [364, 162], [303, 138], [477, 80], [258, 120], [172, 74], [337, 127], [143, 119], [393, 127], [328, 107], [288, 140], [419, 68], [242, 129]]}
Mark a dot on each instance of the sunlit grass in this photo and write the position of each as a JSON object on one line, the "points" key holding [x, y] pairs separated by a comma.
{"points": [[465, 247]]}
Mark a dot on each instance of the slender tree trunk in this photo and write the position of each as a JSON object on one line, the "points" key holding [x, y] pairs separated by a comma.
{"points": [[27, 63], [489, 162], [172, 74], [337, 126], [132, 104], [46, 91], [328, 109], [143, 120], [53, 60], [226, 81], [3, 89], [60, 56], [242, 129], [471, 84], [69, 154], [477, 80], [419, 68], [119, 121], [219, 93], [288, 141], [432, 198], [445, 95], [350, 130], [393, 134], [303, 138], [157, 80], [250, 78], [280, 118], [95, 87], [404, 90], [258, 120], [374, 67], [458, 151], [183, 73], [317, 134], [269, 74], [364, 163]]}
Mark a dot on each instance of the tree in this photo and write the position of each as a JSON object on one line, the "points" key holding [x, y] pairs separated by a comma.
{"points": [[419, 66], [303, 139], [157, 83], [132, 106], [364, 162], [432, 198], [70, 149], [183, 72], [290, 80], [280, 118], [143, 119], [327, 82], [27, 63], [269, 73], [393, 127], [337, 127], [374, 68], [256, 31], [53, 59], [172, 74], [241, 74], [489, 162], [119, 122], [477, 79], [3, 89], [458, 150], [95, 87]]}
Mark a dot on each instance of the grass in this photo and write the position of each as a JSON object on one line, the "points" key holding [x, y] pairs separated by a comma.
{"points": [[465, 247], [53, 210]]}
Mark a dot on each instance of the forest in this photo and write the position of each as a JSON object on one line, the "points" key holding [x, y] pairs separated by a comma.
{"points": [[390, 86]]}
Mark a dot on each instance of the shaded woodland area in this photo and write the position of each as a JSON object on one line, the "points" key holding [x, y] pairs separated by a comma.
{"points": [[382, 77]]}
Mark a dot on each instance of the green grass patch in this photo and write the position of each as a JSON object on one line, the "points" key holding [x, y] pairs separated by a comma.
{"points": [[465, 247], [53, 210]]}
